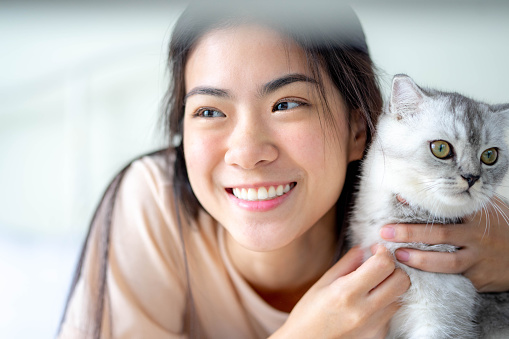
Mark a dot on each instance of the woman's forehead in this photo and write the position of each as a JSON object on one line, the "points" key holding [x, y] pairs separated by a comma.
{"points": [[242, 55]]}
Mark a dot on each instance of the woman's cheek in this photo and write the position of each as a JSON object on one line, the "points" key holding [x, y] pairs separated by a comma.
{"points": [[309, 145], [196, 152]]}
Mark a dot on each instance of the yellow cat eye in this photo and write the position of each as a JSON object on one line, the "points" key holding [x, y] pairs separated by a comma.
{"points": [[441, 149], [490, 156]]}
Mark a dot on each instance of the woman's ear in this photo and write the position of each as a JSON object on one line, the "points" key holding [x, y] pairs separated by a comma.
{"points": [[358, 136]]}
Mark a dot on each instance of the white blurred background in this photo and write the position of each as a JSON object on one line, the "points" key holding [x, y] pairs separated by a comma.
{"points": [[81, 85]]}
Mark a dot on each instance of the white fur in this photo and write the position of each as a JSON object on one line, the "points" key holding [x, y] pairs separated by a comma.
{"points": [[400, 162], [435, 303]]}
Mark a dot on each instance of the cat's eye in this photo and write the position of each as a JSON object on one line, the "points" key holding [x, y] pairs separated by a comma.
{"points": [[441, 149], [490, 156]]}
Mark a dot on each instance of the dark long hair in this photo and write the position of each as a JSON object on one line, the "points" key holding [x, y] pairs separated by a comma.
{"points": [[333, 41]]}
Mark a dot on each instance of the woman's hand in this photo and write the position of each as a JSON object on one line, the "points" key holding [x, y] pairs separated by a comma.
{"points": [[483, 242], [351, 300]]}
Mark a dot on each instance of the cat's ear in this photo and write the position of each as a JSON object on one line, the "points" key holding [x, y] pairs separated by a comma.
{"points": [[406, 96], [502, 108], [502, 112]]}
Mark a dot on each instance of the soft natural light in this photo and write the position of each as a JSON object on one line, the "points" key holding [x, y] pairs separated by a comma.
{"points": [[81, 86]]}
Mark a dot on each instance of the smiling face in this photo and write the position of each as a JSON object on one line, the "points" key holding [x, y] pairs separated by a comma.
{"points": [[260, 156]]}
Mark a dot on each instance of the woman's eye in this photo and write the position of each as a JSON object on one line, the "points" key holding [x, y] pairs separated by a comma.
{"points": [[209, 113], [285, 105]]}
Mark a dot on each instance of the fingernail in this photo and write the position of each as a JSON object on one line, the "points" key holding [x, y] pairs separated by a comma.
{"points": [[402, 255], [381, 249], [388, 232]]}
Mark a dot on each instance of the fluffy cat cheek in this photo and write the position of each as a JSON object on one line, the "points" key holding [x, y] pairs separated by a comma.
{"points": [[453, 206], [440, 202]]}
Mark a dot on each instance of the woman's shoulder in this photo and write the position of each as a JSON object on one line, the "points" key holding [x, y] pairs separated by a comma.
{"points": [[146, 200], [144, 253], [145, 194], [147, 183], [154, 169]]}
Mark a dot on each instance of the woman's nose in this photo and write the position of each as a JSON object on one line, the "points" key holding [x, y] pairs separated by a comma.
{"points": [[250, 146]]}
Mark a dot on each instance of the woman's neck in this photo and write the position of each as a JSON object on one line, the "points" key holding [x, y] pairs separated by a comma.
{"points": [[282, 276]]}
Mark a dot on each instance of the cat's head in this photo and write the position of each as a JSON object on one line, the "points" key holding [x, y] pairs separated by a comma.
{"points": [[445, 152]]}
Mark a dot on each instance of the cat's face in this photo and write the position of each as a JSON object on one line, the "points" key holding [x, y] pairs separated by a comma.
{"points": [[448, 152]]}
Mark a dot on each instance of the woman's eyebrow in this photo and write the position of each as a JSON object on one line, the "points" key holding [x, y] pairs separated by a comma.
{"points": [[276, 84], [207, 91], [266, 89]]}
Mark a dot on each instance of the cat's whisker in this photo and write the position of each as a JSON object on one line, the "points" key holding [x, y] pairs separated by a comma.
{"points": [[487, 226], [493, 205], [499, 210], [433, 217], [498, 185], [429, 187], [427, 223], [500, 198]]}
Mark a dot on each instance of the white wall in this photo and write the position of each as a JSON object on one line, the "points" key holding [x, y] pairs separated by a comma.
{"points": [[81, 86], [452, 45], [80, 90], [458, 46]]}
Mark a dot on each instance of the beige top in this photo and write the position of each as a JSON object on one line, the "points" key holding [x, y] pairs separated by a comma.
{"points": [[147, 286]]}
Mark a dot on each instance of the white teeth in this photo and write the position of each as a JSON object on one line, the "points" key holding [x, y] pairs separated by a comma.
{"points": [[279, 190], [272, 192], [251, 194], [262, 193]]}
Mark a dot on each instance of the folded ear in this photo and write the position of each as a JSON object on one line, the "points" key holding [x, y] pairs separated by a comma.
{"points": [[406, 96], [502, 108], [502, 112]]}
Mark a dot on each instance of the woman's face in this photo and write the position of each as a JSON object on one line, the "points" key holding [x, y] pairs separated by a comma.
{"points": [[260, 157]]}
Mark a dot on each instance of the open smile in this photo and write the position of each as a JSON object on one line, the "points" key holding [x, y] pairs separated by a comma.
{"points": [[261, 193]]}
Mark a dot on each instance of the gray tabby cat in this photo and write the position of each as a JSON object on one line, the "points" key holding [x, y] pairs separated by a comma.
{"points": [[436, 158]]}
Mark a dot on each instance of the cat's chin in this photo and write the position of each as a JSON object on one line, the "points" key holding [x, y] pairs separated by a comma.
{"points": [[457, 205]]}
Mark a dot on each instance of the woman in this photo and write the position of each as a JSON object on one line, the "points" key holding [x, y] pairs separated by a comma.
{"points": [[236, 230]]}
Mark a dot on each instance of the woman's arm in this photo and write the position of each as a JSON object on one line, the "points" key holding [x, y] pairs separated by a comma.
{"points": [[483, 242]]}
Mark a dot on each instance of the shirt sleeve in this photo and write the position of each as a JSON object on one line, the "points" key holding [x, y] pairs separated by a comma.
{"points": [[146, 276]]}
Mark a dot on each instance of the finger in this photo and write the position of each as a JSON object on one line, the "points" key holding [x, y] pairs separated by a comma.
{"points": [[454, 234], [375, 270], [388, 312], [440, 262], [389, 291], [475, 228], [380, 320], [346, 265]]}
